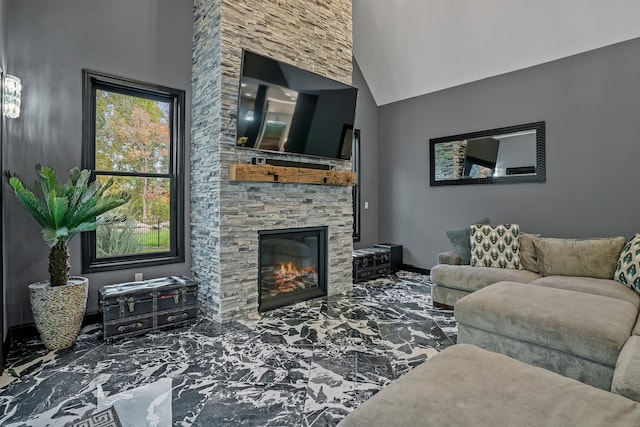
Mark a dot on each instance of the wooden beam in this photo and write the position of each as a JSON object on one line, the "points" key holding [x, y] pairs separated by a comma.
{"points": [[268, 173]]}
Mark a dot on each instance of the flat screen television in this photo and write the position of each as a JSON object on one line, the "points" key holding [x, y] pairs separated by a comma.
{"points": [[282, 108]]}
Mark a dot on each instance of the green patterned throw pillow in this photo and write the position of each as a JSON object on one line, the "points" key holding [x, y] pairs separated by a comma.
{"points": [[495, 246], [628, 267]]}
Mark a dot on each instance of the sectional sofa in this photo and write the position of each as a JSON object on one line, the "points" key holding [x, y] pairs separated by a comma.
{"points": [[561, 263], [569, 336], [575, 334], [563, 312]]}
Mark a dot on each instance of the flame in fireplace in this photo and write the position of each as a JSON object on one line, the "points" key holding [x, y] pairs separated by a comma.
{"points": [[288, 277], [290, 269]]}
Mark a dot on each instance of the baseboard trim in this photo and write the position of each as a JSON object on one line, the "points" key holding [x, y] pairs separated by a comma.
{"points": [[442, 306], [5, 351], [415, 269]]}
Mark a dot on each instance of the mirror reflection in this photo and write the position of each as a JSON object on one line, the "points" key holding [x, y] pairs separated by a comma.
{"points": [[278, 104], [511, 154]]}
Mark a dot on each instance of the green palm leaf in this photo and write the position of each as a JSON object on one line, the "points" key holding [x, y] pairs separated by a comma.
{"points": [[84, 212], [74, 174], [85, 226], [109, 202], [47, 180], [29, 201], [78, 184], [49, 236], [87, 193], [66, 210], [106, 219], [58, 207]]}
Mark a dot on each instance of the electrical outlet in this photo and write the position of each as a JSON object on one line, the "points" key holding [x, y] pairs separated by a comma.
{"points": [[366, 205], [138, 277]]}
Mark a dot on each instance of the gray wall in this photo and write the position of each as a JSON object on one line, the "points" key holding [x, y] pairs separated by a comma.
{"points": [[590, 105], [367, 122], [49, 43]]}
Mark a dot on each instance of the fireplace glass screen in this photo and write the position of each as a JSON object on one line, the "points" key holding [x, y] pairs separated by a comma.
{"points": [[292, 266]]}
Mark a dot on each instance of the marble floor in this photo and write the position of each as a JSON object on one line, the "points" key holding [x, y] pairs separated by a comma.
{"points": [[308, 364]]}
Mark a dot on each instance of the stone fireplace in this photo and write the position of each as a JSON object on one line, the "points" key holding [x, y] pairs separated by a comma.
{"points": [[227, 217]]}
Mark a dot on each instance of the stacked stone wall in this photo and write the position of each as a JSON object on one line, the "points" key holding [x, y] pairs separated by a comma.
{"points": [[226, 216]]}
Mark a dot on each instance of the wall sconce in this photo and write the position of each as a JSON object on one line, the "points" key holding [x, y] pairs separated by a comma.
{"points": [[249, 116], [12, 93]]}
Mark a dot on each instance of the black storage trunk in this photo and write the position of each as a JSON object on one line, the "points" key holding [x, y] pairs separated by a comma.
{"points": [[371, 263], [137, 307], [396, 255]]}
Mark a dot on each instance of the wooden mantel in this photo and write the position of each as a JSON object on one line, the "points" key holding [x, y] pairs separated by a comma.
{"points": [[269, 173]]}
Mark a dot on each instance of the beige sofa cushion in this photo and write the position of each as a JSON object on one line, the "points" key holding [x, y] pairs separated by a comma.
{"points": [[449, 257], [626, 377], [636, 328], [468, 278], [528, 257], [592, 327], [465, 386], [588, 258], [604, 287]]}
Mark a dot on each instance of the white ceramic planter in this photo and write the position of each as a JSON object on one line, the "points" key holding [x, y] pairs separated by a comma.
{"points": [[58, 311]]}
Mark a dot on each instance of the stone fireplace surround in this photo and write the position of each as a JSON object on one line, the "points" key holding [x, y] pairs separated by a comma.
{"points": [[226, 216]]}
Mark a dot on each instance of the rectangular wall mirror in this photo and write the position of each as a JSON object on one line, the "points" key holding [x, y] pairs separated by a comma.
{"points": [[512, 154]]}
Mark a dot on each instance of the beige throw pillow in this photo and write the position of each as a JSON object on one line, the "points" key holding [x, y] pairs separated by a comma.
{"points": [[586, 258], [495, 246], [528, 257]]}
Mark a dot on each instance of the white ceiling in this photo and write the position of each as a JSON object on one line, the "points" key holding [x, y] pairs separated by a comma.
{"points": [[407, 48]]}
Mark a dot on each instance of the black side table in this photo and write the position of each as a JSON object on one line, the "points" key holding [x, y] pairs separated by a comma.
{"points": [[396, 254]]}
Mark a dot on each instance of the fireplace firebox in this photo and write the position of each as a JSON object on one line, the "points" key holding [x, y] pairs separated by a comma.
{"points": [[292, 266]]}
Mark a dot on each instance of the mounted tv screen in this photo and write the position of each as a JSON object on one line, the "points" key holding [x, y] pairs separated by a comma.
{"points": [[282, 108]]}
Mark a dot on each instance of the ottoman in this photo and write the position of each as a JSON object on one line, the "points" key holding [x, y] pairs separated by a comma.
{"points": [[575, 334], [465, 386]]}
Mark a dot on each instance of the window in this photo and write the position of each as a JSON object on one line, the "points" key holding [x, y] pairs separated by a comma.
{"points": [[355, 165], [133, 133]]}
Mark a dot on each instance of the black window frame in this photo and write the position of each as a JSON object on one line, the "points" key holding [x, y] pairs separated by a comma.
{"points": [[92, 81], [355, 167]]}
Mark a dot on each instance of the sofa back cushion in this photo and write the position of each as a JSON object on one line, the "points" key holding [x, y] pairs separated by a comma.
{"points": [[588, 258], [528, 256]]}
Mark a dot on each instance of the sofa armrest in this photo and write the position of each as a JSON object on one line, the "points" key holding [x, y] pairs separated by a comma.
{"points": [[449, 257], [626, 377]]}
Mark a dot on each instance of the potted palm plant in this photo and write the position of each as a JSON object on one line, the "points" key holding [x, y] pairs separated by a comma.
{"points": [[63, 211]]}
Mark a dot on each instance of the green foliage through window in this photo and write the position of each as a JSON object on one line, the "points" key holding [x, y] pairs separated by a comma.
{"points": [[117, 239]]}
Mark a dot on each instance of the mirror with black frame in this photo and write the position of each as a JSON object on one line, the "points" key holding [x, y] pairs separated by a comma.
{"points": [[512, 154]]}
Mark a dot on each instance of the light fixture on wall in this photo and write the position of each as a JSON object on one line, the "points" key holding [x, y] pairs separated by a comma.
{"points": [[249, 116], [12, 93]]}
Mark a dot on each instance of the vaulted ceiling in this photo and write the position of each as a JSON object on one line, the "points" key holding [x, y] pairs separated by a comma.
{"points": [[407, 48]]}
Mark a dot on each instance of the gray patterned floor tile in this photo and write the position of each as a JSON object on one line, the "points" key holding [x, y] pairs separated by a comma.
{"points": [[308, 364]]}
